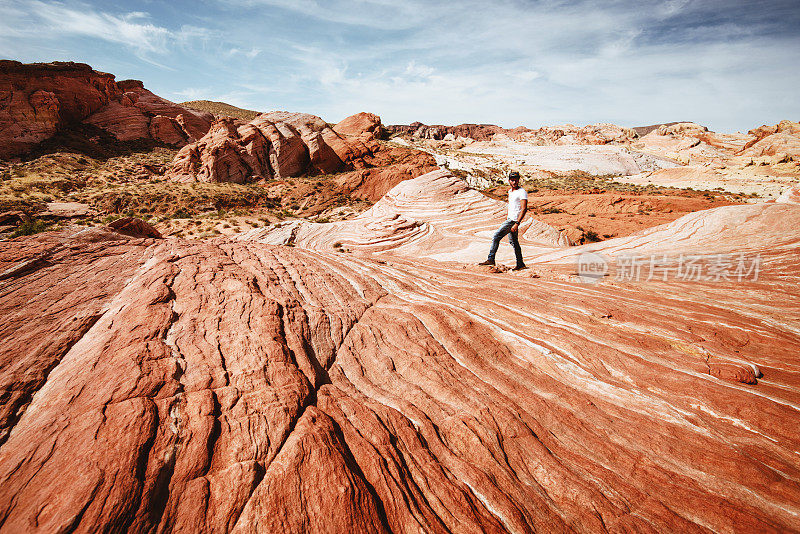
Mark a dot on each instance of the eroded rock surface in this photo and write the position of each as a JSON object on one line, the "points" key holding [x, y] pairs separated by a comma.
{"points": [[239, 386], [365, 126], [280, 144], [37, 100]]}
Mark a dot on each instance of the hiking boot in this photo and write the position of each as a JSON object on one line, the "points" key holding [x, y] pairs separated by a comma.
{"points": [[487, 262], [519, 267]]}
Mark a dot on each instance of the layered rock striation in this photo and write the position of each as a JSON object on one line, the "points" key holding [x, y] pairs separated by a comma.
{"points": [[273, 145], [239, 386], [435, 215]]}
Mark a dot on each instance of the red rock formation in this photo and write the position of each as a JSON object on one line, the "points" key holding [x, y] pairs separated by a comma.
{"points": [[595, 134], [228, 386], [432, 216], [134, 228], [365, 126], [37, 100], [387, 167], [782, 139], [141, 115], [273, 145], [478, 132]]}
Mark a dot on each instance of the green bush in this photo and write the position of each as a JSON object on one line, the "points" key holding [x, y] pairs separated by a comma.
{"points": [[30, 227]]}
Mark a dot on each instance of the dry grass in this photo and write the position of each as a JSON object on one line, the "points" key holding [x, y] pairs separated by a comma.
{"points": [[221, 108], [134, 185]]}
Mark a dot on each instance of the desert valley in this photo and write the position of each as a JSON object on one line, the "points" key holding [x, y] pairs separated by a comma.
{"points": [[227, 320]]}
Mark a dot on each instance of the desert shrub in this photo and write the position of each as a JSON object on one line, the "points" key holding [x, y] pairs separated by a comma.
{"points": [[30, 227], [552, 210], [590, 236]]}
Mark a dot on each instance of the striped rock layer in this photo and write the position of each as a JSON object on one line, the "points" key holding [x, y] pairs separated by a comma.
{"points": [[166, 385]]}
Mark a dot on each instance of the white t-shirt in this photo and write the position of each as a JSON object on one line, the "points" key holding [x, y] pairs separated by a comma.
{"points": [[515, 198]]}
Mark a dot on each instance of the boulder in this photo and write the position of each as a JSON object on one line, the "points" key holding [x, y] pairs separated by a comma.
{"points": [[365, 126], [134, 227]]}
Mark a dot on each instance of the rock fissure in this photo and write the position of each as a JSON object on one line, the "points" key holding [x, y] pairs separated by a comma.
{"points": [[23, 402]]}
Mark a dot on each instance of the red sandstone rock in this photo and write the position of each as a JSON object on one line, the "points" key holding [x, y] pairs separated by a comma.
{"points": [[387, 167], [166, 130], [273, 145], [790, 196], [134, 227], [778, 144], [228, 386], [141, 115], [126, 123], [39, 99], [365, 126]]}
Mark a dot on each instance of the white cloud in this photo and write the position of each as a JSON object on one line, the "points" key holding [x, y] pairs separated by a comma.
{"points": [[250, 54], [379, 14], [127, 29], [510, 62]]}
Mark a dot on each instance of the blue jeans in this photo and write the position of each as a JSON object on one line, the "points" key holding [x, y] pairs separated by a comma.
{"points": [[512, 237]]}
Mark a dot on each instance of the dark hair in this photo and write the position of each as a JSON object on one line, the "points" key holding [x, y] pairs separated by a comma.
{"points": [[513, 174]]}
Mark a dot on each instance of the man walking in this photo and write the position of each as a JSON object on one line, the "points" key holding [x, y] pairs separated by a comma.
{"points": [[517, 207]]}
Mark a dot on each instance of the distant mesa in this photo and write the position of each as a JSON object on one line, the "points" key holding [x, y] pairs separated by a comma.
{"points": [[478, 132], [594, 134], [40, 100]]}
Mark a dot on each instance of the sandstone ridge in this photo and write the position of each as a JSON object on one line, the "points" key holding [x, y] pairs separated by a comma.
{"points": [[281, 144], [39, 100]]}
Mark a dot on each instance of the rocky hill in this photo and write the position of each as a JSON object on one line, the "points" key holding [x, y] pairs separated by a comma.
{"points": [[40, 100], [221, 109]]}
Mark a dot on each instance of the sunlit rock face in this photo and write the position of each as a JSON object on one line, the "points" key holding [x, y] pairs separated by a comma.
{"points": [[273, 145], [38, 100], [242, 386], [279, 145]]}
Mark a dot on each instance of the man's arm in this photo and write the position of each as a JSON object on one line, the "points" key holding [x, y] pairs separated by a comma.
{"points": [[524, 205]]}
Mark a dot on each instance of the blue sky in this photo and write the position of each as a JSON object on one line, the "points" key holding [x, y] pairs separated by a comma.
{"points": [[730, 65]]}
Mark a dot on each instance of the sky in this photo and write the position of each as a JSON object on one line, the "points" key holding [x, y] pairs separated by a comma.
{"points": [[730, 65]]}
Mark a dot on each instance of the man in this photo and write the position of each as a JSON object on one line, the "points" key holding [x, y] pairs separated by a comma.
{"points": [[517, 207]]}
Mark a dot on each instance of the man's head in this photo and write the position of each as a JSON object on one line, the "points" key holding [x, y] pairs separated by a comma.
{"points": [[513, 179]]}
